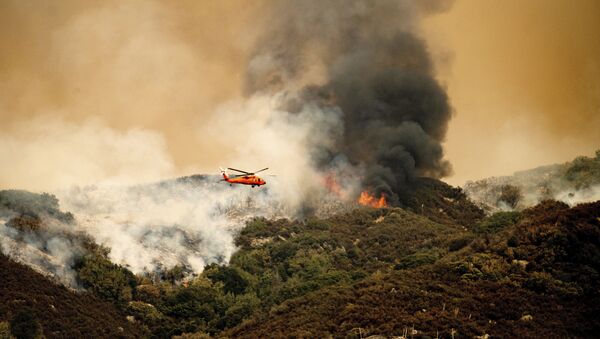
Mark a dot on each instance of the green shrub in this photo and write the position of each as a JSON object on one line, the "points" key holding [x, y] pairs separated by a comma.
{"points": [[107, 280], [243, 308], [418, 259], [583, 171], [318, 225], [33, 204], [232, 279], [281, 251], [497, 222], [143, 311], [192, 302], [253, 262]]}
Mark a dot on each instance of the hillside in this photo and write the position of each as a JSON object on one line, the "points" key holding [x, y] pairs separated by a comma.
{"points": [[434, 267], [536, 278], [440, 202], [573, 182], [34, 302]]}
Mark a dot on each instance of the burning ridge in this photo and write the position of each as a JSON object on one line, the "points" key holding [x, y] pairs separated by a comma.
{"points": [[375, 74]]}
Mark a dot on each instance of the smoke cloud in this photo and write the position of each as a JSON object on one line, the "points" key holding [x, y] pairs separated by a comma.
{"points": [[366, 61]]}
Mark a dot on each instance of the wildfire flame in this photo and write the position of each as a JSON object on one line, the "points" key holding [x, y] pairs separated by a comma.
{"points": [[333, 186], [367, 199]]}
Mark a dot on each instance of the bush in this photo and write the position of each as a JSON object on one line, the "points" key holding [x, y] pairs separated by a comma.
{"points": [[283, 250], [513, 241], [192, 302], [253, 262], [25, 223], [107, 280], [5, 330], [583, 171], [497, 222], [460, 243], [176, 273], [243, 308], [148, 293], [33, 204], [144, 312], [511, 195], [25, 324], [255, 228], [545, 283], [318, 225], [418, 259], [233, 281]]}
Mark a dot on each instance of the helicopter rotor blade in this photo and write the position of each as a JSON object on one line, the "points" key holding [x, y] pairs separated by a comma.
{"points": [[264, 169]]}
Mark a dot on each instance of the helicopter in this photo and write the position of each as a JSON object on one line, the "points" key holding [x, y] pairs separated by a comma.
{"points": [[245, 178]]}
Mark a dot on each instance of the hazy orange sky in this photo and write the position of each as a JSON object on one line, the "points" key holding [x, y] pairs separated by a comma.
{"points": [[91, 83], [524, 79]]}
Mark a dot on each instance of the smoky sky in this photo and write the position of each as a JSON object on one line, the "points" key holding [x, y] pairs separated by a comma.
{"points": [[375, 69], [90, 84]]}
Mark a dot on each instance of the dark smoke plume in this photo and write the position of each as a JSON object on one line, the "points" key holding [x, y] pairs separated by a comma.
{"points": [[365, 59]]}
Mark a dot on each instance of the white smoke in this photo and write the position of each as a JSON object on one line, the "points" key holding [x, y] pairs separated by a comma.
{"points": [[534, 186], [573, 197], [47, 251], [190, 221], [149, 227], [193, 222]]}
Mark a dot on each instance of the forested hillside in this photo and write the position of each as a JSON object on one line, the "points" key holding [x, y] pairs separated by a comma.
{"points": [[435, 267], [532, 274]]}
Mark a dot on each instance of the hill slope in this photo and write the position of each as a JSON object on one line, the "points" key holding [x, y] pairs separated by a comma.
{"points": [[573, 182], [60, 312], [436, 266], [536, 278]]}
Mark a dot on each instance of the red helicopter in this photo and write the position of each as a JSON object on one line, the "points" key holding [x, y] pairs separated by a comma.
{"points": [[246, 178]]}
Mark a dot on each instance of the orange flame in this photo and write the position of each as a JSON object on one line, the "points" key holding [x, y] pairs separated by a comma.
{"points": [[333, 186], [367, 199]]}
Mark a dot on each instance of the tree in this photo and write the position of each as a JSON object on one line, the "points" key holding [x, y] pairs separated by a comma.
{"points": [[233, 281], [511, 195]]}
